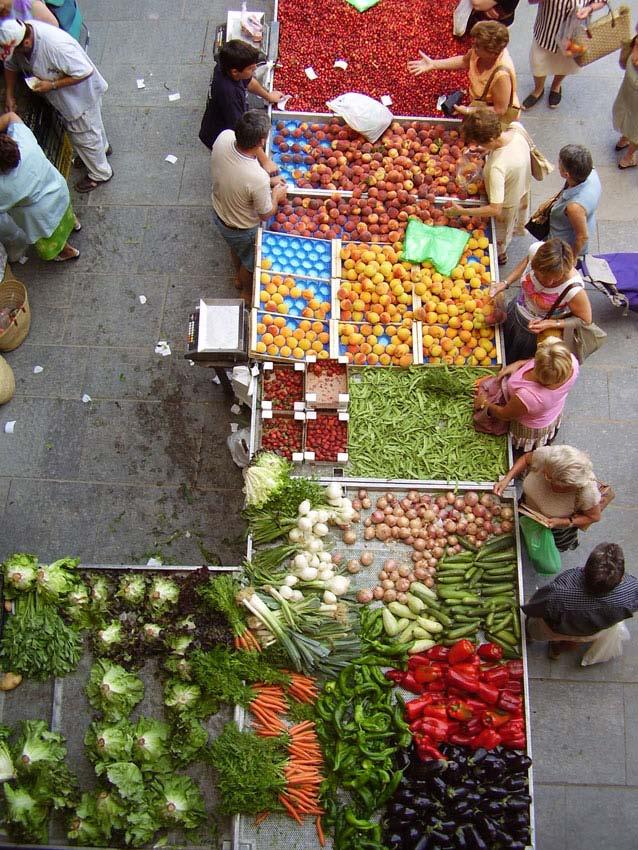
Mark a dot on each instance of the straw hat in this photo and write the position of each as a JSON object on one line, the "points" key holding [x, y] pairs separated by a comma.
{"points": [[7, 381]]}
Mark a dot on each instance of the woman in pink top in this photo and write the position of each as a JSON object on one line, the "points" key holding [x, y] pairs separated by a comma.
{"points": [[536, 391]]}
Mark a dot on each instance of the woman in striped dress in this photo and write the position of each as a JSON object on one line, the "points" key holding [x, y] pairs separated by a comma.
{"points": [[545, 55]]}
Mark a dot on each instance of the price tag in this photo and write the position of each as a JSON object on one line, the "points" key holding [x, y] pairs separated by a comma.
{"points": [[386, 100], [266, 414], [340, 63], [299, 405], [266, 404], [300, 367], [254, 370], [311, 397], [344, 416], [310, 73], [342, 457], [299, 415], [268, 366], [311, 357], [297, 457], [342, 359], [309, 455], [344, 398], [311, 414]]}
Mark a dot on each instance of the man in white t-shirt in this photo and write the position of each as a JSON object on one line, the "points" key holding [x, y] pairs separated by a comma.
{"points": [[71, 83], [243, 194]]}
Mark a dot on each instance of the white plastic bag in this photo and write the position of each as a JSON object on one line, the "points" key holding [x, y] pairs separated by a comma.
{"points": [[461, 17], [364, 114], [607, 646], [238, 446]]}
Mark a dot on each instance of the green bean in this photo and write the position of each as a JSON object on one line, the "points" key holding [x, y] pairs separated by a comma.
{"points": [[432, 411]]}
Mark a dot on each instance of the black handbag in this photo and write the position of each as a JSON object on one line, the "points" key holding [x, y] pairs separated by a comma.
{"points": [[538, 225]]}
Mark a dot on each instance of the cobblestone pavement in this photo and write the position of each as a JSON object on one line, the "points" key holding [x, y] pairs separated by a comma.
{"points": [[143, 467]]}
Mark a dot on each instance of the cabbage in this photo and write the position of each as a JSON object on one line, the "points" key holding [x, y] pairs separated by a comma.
{"points": [[19, 571], [24, 817], [162, 595], [37, 744], [113, 691], [150, 746], [177, 800], [132, 588], [108, 742], [55, 580], [264, 478]]}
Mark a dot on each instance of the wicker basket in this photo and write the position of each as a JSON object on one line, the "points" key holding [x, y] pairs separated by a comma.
{"points": [[13, 295], [605, 35], [7, 381]]}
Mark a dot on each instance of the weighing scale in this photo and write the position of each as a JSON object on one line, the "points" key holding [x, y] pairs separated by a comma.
{"points": [[218, 336]]}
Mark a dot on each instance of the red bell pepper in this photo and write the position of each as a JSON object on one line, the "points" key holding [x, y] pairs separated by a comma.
{"points": [[493, 718], [490, 652], [426, 750], [395, 676], [512, 703], [497, 676], [461, 651], [435, 729], [459, 711], [436, 687], [426, 674], [414, 709], [474, 726], [438, 653], [463, 739], [514, 687], [410, 684], [417, 660], [463, 681], [488, 693], [469, 668], [515, 669], [518, 743], [488, 739], [513, 732], [476, 705], [437, 710]]}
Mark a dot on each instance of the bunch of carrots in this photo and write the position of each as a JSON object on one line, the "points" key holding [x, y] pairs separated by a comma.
{"points": [[303, 771], [246, 641]]}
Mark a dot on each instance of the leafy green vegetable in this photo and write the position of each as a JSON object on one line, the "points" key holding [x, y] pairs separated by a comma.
{"points": [[140, 827], [108, 742], [223, 674], [7, 770], [132, 588], [101, 591], [150, 745], [162, 595], [219, 594], [54, 581], [187, 740], [83, 828], [187, 697], [178, 644], [37, 642], [177, 800], [265, 477], [180, 667], [19, 573], [37, 744], [127, 778], [113, 691], [249, 771], [26, 819]]}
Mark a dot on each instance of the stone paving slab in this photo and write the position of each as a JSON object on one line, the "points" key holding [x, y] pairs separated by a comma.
{"points": [[183, 240], [62, 375], [549, 804], [578, 732], [600, 817]]}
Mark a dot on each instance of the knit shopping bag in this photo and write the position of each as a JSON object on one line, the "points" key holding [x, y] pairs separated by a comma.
{"points": [[605, 35]]}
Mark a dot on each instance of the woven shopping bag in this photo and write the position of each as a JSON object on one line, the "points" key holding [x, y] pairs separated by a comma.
{"points": [[605, 35]]}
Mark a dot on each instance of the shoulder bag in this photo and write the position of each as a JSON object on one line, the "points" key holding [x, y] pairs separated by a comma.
{"points": [[605, 35], [538, 225], [582, 338], [539, 164], [512, 113], [494, 388]]}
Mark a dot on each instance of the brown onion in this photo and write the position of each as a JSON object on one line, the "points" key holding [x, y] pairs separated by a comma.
{"points": [[382, 503], [378, 592], [369, 534], [452, 540], [404, 570], [362, 494], [391, 520], [366, 503], [377, 517], [486, 500], [438, 552], [368, 522], [420, 573], [413, 495], [402, 598], [506, 526], [441, 502], [402, 585], [337, 557], [459, 503], [472, 528], [471, 498], [365, 596], [349, 538], [383, 532], [383, 575], [450, 526], [420, 545], [429, 582], [507, 513], [387, 584], [356, 504], [389, 595], [366, 558], [395, 533], [481, 534], [404, 533], [450, 497], [353, 567], [390, 564]]}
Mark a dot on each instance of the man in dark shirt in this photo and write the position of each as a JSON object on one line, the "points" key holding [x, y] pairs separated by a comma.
{"points": [[232, 80], [580, 604], [492, 10]]}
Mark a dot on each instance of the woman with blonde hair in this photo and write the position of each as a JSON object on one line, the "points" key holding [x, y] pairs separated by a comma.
{"points": [[535, 393], [559, 482], [549, 282], [490, 69]]}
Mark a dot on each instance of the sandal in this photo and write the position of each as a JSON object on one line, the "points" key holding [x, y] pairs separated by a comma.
{"points": [[620, 145], [555, 98], [87, 184], [531, 100], [631, 164], [77, 225], [74, 256]]}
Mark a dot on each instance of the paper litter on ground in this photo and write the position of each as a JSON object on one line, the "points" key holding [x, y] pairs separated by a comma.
{"points": [[235, 408], [234, 426], [154, 562], [163, 348], [170, 158], [142, 299], [141, 84], [23, 259], [175, 96], [86, 398], [37, 370], [9, 426]]}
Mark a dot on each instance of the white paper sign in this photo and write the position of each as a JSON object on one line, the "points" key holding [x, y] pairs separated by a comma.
{"points": [[153, 562], [86, 398], [284, 100], [311, 73], [142, 299], [234, 427], [341, 63]]}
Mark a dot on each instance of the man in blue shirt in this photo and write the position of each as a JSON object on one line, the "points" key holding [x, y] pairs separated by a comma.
{"points": [[232, 80]]}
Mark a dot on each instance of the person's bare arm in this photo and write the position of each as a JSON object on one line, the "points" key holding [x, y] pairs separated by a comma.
{"points": [[10, 77], [518, 468], [577, 217], [509, 412], [426, 64], [278, 195], [7, 119], [255, 87], [485, 210], [45, 86], [41, 13], [501, 92], [580, 306]]}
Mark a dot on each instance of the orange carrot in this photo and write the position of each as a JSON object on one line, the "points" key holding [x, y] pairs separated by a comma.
{"points": [[320, 835], [261, 817], [290, 809]]}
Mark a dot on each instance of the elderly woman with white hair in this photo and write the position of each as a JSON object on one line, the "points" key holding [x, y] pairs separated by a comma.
{"points": [[559, 482], [535, 394]]}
